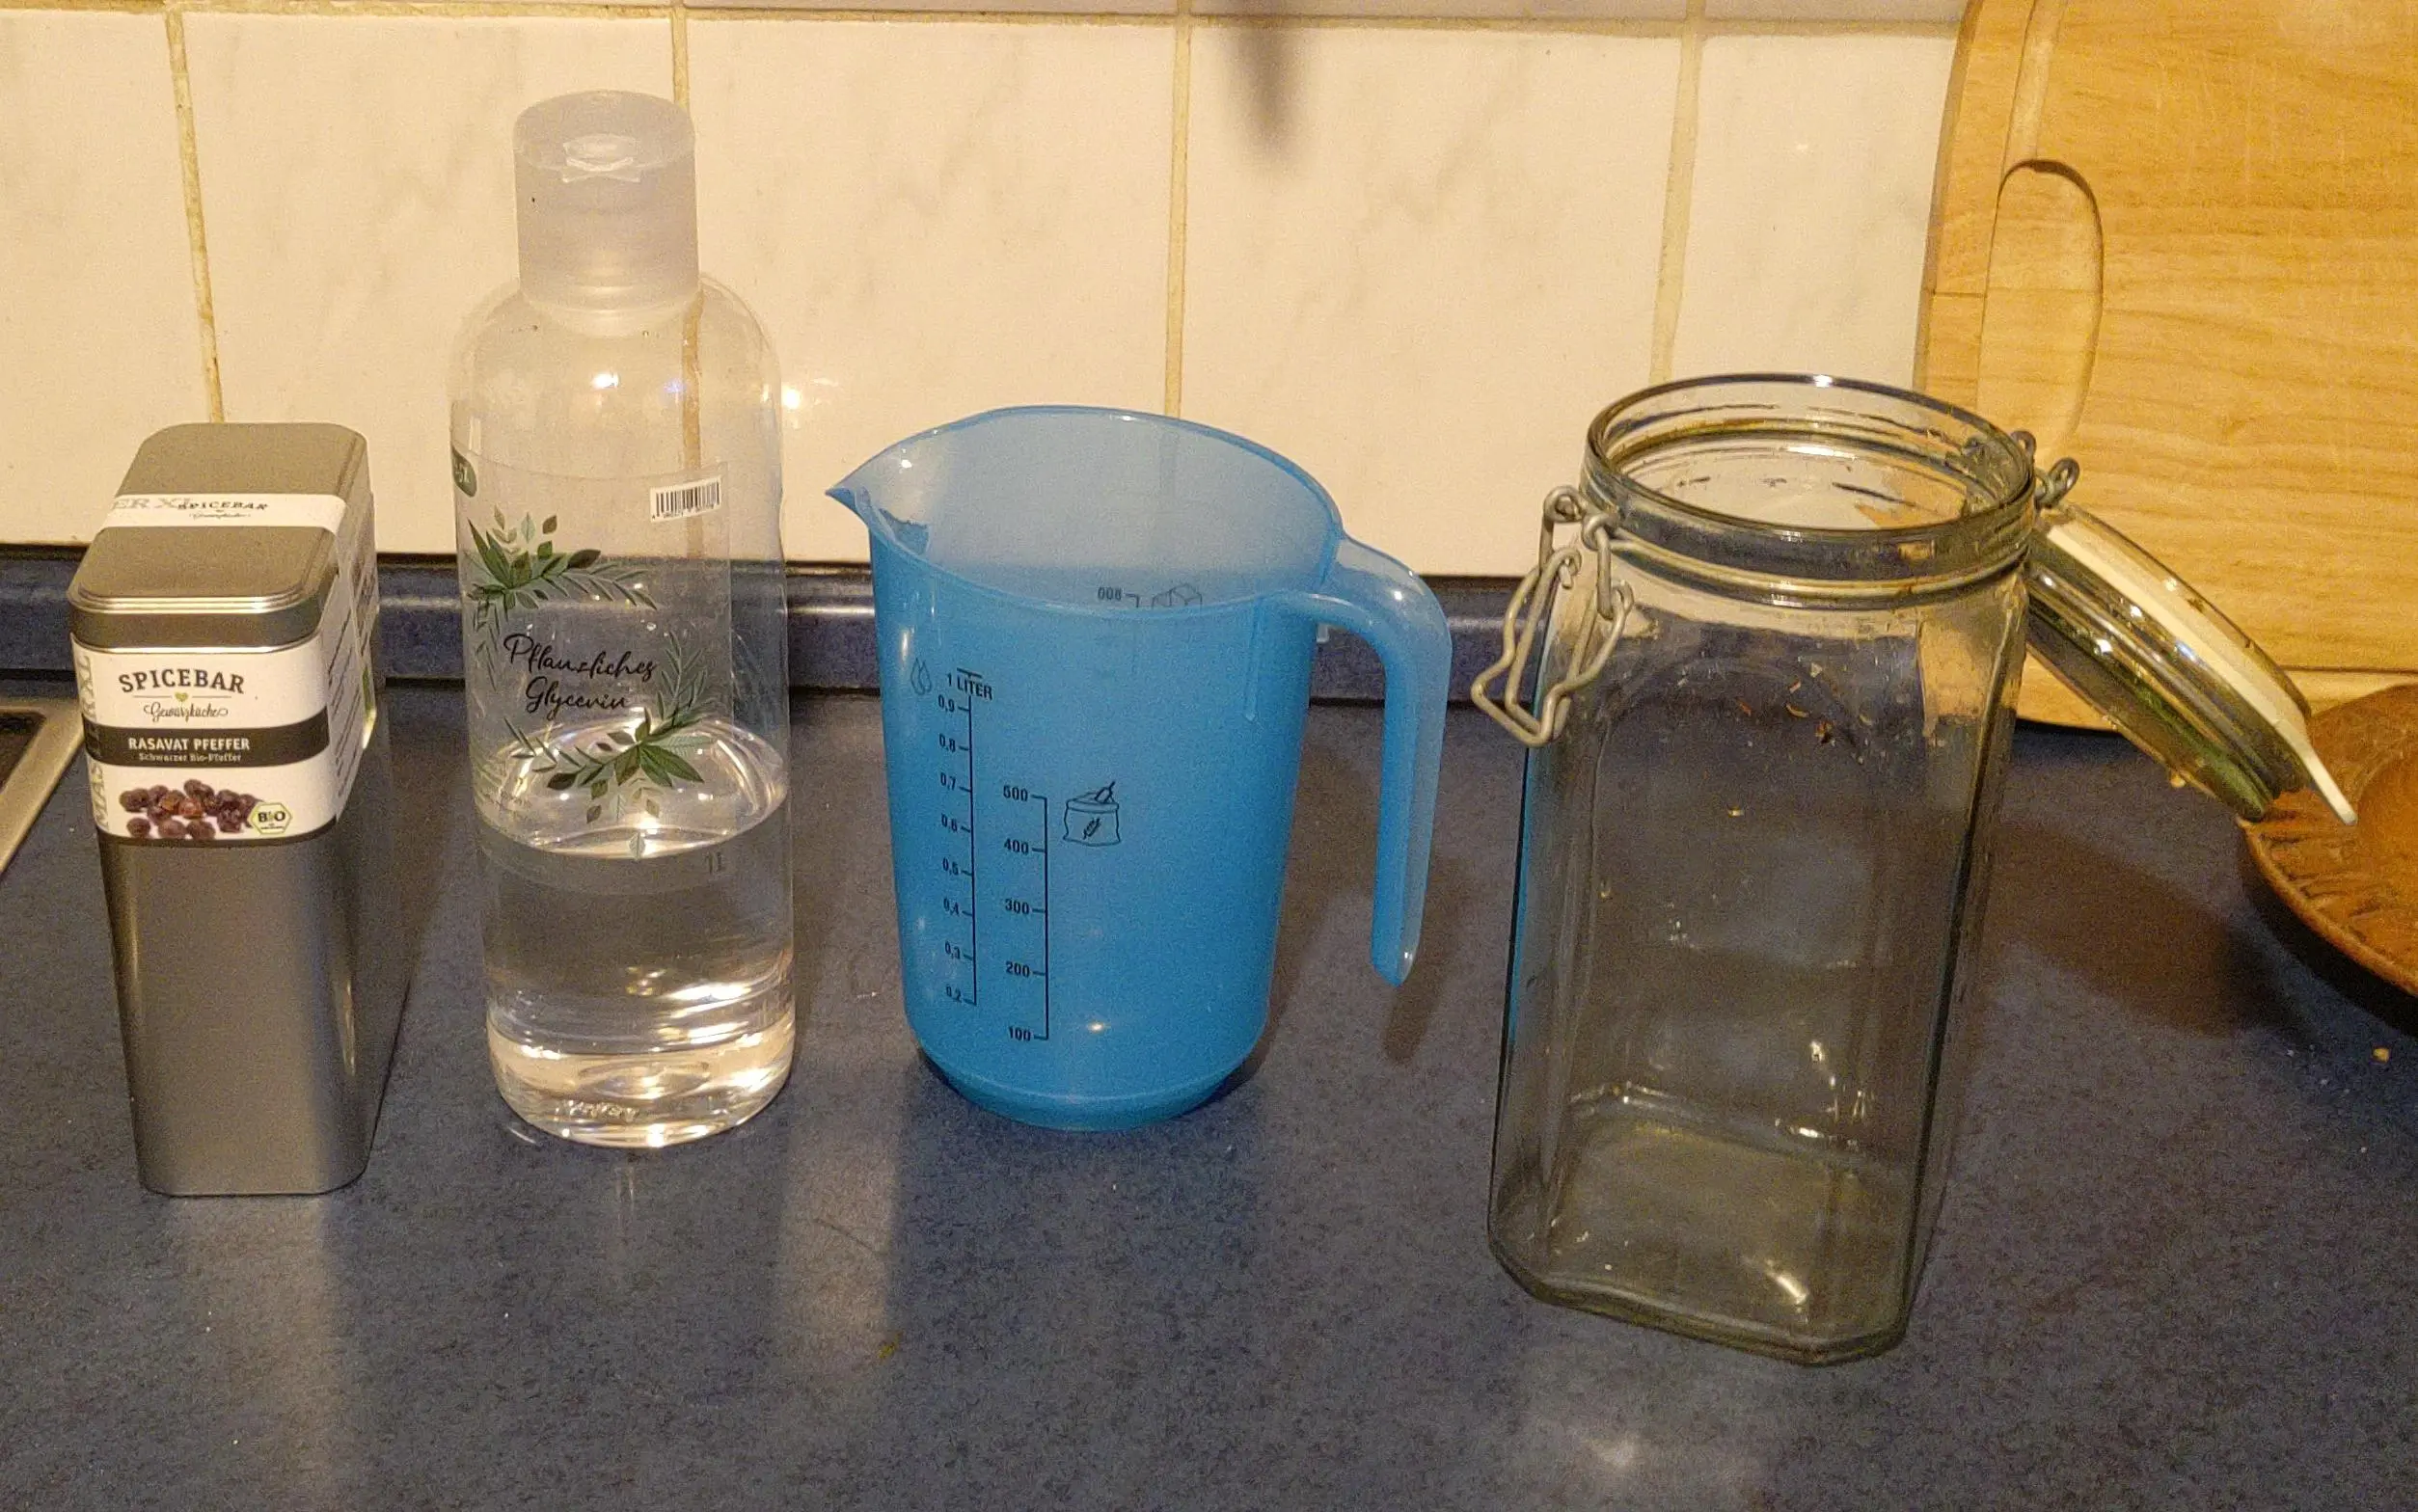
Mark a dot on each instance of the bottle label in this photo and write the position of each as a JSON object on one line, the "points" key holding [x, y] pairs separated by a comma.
{"points": [[236, 745], [596, 633]]}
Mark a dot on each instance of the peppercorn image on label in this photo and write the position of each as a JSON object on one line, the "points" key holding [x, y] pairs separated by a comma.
{"points": [[187, 744]]}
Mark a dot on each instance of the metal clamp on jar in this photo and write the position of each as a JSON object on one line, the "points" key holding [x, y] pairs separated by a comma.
{"points": [[1783, 623]]}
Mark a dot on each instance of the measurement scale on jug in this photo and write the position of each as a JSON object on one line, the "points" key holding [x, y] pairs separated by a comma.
{"points": [[1006, 850]]}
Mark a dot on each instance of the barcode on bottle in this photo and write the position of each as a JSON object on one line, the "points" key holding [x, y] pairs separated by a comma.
{"points": [[680, 500]]}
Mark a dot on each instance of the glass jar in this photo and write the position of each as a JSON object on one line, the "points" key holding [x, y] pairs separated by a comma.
{"points": [[1775, 692]]}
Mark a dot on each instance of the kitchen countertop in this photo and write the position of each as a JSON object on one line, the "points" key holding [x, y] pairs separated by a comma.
{"points": [[2173, 1268]]}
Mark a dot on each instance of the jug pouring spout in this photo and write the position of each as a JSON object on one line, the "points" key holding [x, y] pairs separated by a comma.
{"points": [[896, 485], [854, 491]]}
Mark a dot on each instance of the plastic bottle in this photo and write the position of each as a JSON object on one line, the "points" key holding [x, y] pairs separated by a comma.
{"points": [[617, 470]]}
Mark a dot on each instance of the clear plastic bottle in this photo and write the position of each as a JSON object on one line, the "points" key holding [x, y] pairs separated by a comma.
{"points": [[616, 460]]}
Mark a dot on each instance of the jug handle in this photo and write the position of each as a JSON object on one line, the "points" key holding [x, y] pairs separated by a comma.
{"points": [[1386, 604]]}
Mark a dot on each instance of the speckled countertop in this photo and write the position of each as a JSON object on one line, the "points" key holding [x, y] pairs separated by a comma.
{"points": [[2174, 1269]]}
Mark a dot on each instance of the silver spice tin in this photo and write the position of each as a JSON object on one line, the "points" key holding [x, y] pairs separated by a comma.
{"points": [[225, 620]]}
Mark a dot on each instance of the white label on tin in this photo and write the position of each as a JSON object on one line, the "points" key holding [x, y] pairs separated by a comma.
{"points": [[323, 511], [170, 690], [253, 745], [234, 745]]}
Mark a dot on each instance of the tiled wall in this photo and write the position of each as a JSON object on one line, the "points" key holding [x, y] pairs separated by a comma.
{"points": [[1412, 243]]}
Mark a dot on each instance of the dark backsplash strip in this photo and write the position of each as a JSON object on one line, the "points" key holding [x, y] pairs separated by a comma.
{"points": [[33, 608], [830, 624]]}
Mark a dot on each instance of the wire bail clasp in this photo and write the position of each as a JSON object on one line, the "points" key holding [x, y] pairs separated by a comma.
{"points": [[1559, 565], [2048, 488]]}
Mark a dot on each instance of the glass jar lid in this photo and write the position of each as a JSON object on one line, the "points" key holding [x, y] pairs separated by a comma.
{"points": [[2172, 672]]}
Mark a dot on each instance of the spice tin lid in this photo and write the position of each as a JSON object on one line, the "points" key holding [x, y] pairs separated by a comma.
{"points": [[231, 583], [2174, 674]]}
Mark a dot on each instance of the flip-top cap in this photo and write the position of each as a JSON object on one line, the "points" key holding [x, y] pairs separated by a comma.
{"points": [[608, 200]]}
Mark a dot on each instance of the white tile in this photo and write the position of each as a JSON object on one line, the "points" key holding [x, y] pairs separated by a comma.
{"points": [[1460, 9], [357, 190], [97, 322], [1422, 272], [1950, 12], [1813, 194], [934, 219]]}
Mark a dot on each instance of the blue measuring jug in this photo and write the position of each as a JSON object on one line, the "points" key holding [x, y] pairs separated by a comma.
{"points": [[1096, 633]]}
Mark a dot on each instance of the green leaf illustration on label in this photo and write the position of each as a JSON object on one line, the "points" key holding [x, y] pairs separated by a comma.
{"points": [[515, 567], [630, 765], [465, 476]]}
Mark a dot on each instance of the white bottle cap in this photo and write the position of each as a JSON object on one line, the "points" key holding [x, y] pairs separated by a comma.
{"points": [[607, 201]]}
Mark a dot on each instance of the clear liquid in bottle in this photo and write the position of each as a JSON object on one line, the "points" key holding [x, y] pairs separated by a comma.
{"points": [[638, 971]]}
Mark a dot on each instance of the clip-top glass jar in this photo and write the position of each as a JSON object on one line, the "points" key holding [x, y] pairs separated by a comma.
{"points": [[1773, 712]]}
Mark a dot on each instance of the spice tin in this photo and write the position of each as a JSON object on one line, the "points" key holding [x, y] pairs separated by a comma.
{"points": [[225, 621]]}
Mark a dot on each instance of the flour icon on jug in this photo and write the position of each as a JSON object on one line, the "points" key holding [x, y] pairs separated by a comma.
{"points": [[1092, 819]]}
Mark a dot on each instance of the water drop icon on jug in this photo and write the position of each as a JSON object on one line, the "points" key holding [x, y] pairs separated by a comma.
{"points": [[1091, 787]]}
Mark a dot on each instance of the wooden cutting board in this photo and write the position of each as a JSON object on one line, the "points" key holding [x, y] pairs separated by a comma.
{"points": [[2178, 241]]}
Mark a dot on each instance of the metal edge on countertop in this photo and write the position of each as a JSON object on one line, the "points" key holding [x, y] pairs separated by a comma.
{"points": [[830, 625], [26, 786]]}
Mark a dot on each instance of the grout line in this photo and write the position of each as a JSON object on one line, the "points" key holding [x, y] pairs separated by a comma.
{"points": [[1563, 25], [189, 162], [1678, 197], [724, 12], [1740, 26], [597, 9], [121, 7], [433, 10], [861, 14], [1179, 210], [680, 55]]}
